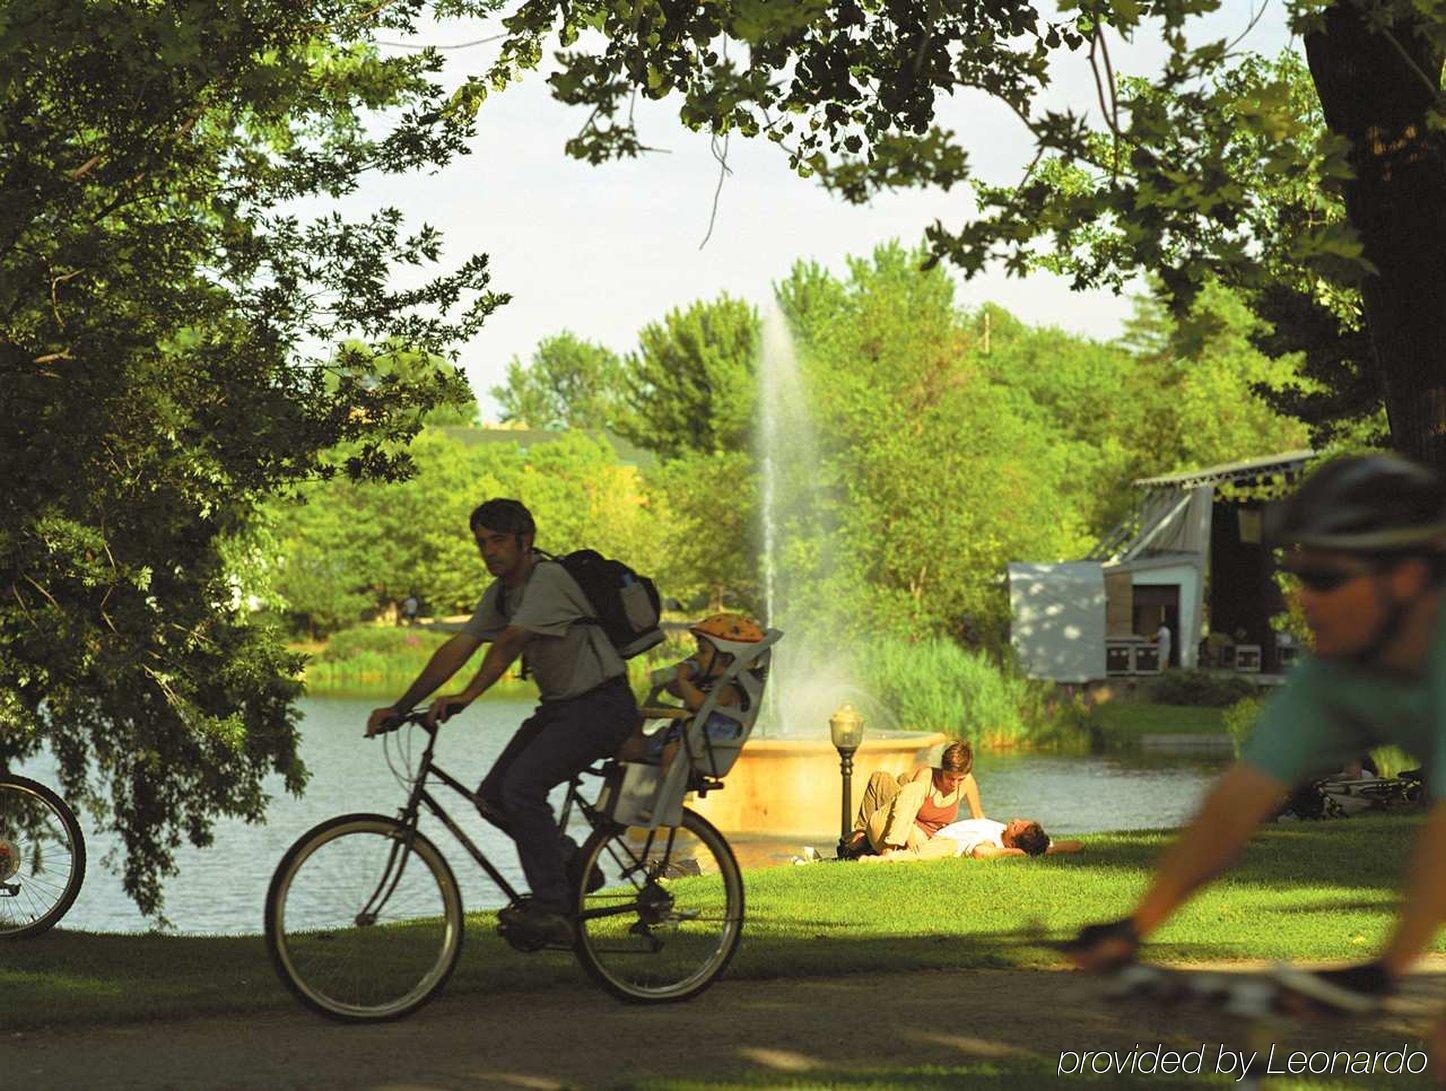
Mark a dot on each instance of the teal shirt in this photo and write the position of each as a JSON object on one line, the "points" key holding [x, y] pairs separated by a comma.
{"points": [[1329, 713]]}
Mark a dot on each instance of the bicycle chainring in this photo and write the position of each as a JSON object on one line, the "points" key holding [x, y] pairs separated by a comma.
{"points": [[655, 905]]}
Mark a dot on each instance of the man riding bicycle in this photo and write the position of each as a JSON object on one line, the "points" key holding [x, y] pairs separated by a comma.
{"points": [[1365, 538], [535, 609]]}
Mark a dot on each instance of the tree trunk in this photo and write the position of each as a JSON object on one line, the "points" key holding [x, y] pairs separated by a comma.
{"points": [[1376, 92]]}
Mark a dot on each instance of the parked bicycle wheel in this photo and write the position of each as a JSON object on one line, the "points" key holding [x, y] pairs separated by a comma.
{"points": [[668, 915], [42, 857], [363, 919]]}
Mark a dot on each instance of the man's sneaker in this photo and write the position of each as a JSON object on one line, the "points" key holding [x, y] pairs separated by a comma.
{"points": [[509, 914], [531, 927], [1358, 990]]}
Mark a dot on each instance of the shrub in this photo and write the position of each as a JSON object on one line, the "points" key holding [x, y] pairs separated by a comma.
{"points": [[390, 641], [1240, 720], [1194, 687], [935, 685]]}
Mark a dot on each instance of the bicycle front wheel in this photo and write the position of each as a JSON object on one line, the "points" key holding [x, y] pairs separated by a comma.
{"points": [[666, 918], [42, 857], [364, 919]]}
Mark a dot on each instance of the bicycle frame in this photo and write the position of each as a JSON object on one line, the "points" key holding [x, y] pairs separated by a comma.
{"points": [[420, 797]]}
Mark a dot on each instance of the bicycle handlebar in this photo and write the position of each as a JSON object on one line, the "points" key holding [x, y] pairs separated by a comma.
{"points": [[398, 720]]}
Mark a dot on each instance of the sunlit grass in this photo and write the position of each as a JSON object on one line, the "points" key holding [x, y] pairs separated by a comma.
{"points": [[1307, 890]]}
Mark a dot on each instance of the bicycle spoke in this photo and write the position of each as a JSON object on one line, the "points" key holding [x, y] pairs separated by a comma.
{"points": [[43, 855]]}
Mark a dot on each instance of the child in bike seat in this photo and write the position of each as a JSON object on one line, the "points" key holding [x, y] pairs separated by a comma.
{"points": [[694, 680]]}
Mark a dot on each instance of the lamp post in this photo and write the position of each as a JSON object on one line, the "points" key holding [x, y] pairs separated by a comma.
{"points": [[846, 728]]}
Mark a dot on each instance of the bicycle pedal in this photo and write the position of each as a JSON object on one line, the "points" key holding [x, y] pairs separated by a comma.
{"points": [[520, 940]]}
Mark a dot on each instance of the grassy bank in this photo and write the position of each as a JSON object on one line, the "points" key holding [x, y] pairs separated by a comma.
{"points": [[1121, 724], [1317, 891], [378, 660]]}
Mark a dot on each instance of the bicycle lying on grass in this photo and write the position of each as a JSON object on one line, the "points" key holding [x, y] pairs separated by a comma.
{"points": [[42, 857], [364, 917]]}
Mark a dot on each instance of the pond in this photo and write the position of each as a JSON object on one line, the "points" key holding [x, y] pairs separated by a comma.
{"points": [[221, 889]]}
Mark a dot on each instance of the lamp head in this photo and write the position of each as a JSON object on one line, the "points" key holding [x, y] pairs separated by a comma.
{"points": [[846, 728]]}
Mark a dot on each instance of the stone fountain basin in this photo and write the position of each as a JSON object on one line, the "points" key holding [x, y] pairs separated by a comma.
{"points": [[792, 787]]}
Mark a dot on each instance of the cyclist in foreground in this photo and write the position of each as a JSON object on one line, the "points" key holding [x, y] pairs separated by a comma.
{"points": [[1365, 537], [537, 610]]}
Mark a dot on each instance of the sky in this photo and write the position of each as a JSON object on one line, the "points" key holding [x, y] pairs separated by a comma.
{"points": [[602, 251]]}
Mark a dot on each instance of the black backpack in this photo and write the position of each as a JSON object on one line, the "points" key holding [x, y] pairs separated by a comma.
{"points": [[625, 605]]}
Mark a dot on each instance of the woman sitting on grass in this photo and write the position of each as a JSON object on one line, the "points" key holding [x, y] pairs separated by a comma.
{"points": [[905, 813]]}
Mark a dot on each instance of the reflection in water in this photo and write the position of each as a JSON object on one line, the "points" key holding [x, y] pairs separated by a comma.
{"points": [[222, 888]]}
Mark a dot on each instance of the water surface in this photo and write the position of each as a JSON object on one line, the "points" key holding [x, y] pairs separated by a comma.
{"points": [[221, 889]]}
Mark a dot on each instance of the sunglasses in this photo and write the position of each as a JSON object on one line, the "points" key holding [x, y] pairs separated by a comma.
{"points": [[1327, 579]]}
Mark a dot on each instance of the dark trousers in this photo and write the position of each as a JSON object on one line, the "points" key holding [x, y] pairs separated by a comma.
{"points": [[551, 746]]}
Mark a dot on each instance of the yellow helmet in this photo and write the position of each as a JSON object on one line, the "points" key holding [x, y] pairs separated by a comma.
{"points": [[734, 628]]}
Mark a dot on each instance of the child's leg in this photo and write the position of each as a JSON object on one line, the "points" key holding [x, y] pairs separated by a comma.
{"points": [[634, 748]]}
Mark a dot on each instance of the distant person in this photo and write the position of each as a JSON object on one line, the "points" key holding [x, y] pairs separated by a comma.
{"points": [[1162, 641], [410, 606], [533, 608], [694, 680], [905, 812]]}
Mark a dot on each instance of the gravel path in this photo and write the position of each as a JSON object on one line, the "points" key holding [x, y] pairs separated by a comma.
{"points": [[563, 1037]]}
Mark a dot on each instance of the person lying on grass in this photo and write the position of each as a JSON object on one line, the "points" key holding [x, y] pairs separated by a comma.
{"points": [[908, 810], [983, 839]]}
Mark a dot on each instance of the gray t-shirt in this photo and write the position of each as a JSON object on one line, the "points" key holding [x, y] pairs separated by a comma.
{"points": [[565, 658]]}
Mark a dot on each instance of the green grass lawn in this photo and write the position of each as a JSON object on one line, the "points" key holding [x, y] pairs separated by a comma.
{"points": [[1121, 723], [1311, 890]]}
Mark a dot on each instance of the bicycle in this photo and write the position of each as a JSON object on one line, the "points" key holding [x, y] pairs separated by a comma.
{"points": [[42, 857], [1264, 1000], [364, 917]]}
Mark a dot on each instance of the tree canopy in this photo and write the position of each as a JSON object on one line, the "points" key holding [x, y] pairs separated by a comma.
{"points": [[1329, 215], [180, 341], [948, 443], [568, 383]]}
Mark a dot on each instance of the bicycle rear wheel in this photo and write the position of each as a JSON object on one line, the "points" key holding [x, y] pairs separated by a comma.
{"points": [[364, 919], [668, 916], [42, 857]]}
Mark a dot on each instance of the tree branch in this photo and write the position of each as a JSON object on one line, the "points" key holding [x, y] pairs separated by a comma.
{"points": [[723, 172]]}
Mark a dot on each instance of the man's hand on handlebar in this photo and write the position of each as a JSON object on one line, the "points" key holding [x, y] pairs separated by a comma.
{"points": [[1100, 948], [444, 708], [383, 720]]}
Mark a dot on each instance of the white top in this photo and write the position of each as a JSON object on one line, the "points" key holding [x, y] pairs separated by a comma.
{"points": [[972, 832]]}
